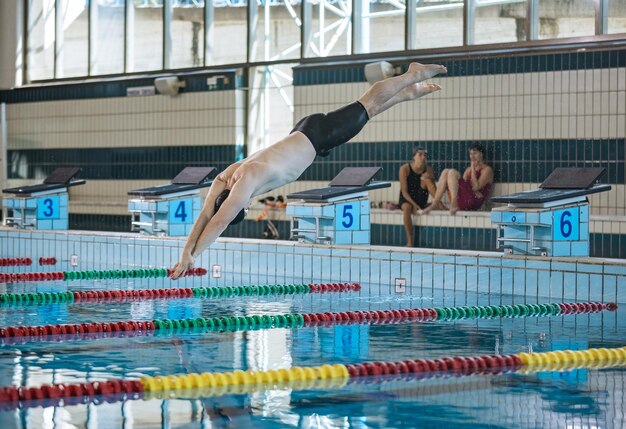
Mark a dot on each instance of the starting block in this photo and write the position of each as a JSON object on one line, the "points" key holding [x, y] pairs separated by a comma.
{"points": [[552, 220], [43, 206], [338, 214], [170, 209]]}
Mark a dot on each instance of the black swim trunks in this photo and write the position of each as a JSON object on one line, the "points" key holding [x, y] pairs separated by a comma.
{"points": [[326, 131]]}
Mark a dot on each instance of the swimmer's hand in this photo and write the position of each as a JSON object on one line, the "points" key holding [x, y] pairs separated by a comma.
{"points": [[186, 263]]}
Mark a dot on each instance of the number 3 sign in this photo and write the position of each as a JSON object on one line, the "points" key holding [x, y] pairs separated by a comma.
{"points": [[565, 224], [348, 216], [48, 208]]}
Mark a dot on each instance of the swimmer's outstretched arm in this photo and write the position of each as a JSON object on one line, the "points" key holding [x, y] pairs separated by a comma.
{"points": [[208, 209], [237, 200]]}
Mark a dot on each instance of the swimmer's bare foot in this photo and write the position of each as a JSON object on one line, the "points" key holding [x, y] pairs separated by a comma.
{"points": [[427, 209], [425, 71], [440, 206], [453, 209], [418, 90]]}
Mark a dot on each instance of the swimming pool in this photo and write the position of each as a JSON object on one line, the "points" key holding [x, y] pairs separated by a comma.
{"points": [[576, 398]]}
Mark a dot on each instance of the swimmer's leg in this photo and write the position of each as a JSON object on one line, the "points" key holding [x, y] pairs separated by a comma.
{"points": [[409, 93], [383, 91]]}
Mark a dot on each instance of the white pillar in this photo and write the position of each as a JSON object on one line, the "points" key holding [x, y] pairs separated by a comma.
{"points": [[3, 154], [11, 44]]}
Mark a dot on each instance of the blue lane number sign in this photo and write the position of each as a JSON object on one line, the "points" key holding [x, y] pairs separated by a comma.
{"points": [[348, 216], [181, 211], [49, 207], [566, 224]]}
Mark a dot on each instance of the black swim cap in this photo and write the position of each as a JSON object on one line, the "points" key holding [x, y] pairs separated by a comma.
{"points": [[480, 148], [220, 200]]}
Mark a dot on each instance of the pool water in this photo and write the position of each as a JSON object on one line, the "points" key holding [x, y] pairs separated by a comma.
{"points": [[579, 398]]}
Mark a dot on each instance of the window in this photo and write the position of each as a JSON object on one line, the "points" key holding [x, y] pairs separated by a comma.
{"points": [[329, 30], [228, 26], [617, 17], [271, 107], [438, 24], [73, 39], [574, 19], [107, 32], [145, 35], [187, 47], [500, 23], [277, 35], [41, 29], [381, 26]]}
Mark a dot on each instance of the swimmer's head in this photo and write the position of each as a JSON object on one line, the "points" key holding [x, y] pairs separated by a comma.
{"points": [[220, 200], [417, 149], [478, 148]]}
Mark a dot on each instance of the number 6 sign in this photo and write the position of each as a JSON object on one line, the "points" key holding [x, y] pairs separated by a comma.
{"points": [[565, 224], [348, 216]]}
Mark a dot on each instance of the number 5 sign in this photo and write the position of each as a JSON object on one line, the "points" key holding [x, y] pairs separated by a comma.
{"points": [[348, 216], [566, 224]]}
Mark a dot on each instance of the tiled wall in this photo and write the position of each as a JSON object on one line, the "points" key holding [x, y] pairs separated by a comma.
{"points": [[532, 112], [122, 142], [428, 273]]}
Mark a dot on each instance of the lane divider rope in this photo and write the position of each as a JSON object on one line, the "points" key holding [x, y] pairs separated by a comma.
{"points": [[22, 334], [325, 376], [15, 262], [48, 261], [19, 299], [95, 274]]}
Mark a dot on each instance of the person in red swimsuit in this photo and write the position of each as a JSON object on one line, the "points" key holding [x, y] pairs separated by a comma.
{"points": [[467, 192]]}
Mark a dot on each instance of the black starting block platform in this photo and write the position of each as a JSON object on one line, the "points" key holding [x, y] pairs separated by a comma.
{"points": [[42, 206], [172, 208], [552, 220], [189, 179], [60, 178], [338, 214], [350, 182], [563, 185]]}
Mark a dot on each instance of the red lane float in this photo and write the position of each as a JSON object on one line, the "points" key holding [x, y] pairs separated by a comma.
{"points": [[48, 261], [15, 262]]}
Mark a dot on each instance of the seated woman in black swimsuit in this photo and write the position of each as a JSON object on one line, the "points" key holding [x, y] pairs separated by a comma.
{"points": [[417, 181]]}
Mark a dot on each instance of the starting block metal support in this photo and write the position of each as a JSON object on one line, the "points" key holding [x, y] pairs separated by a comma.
{"points": [[170, 209], [552, 221], [339, 222], [48, 211], [42, 206], [170, 215], [338, 214]]}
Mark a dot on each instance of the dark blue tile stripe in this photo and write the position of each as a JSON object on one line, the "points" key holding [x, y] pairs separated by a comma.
{"points": [[137, 163], [513, 160], [81, 91], [340, 73]]}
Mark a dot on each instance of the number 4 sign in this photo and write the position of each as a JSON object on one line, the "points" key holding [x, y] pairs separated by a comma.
{"points": [[181, 211], [348, 216], [566, 224]]}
